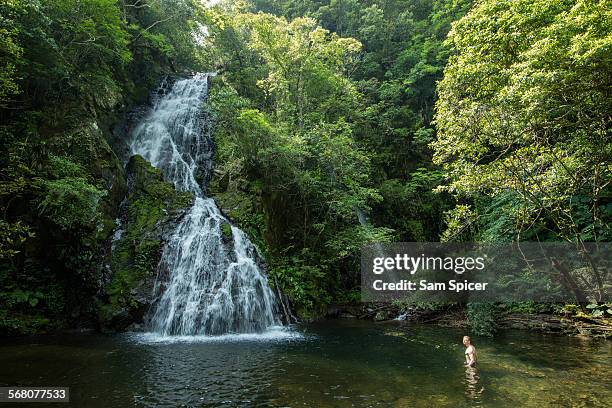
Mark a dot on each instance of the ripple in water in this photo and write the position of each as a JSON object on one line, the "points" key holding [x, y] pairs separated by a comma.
{"points": [[273, 334]]}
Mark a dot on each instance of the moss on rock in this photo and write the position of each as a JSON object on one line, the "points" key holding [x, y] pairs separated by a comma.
{"points": [[150, 210], [226, 230], [242, 209]]}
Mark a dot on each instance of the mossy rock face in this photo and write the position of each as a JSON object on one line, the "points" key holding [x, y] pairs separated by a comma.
{"points": [[226, 232], [53, 281], [241, 209], [87, 145], [151, 210]]}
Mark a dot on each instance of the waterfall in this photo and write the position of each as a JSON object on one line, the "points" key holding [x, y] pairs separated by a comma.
{"points": [[209, 282]]}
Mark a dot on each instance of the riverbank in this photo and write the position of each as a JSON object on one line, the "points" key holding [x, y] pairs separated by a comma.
{"points": [[456, 316]]}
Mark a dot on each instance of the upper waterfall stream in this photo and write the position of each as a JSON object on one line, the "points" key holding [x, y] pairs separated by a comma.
{"points": [[207, 284]]}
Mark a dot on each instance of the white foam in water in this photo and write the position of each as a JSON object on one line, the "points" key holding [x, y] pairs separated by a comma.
{"points": [[209, 284], [272, 334]]}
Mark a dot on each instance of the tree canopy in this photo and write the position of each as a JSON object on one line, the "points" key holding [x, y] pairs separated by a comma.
{"points": [[523, 119]]}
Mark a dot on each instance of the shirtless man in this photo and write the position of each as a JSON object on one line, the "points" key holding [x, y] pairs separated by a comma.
{"points": [[470, 352]]}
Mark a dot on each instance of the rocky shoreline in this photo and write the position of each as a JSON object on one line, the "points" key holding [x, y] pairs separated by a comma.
{"points": [[455, 316]]}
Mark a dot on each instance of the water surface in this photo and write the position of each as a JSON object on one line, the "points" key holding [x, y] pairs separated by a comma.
{"points": [[329, 364]]}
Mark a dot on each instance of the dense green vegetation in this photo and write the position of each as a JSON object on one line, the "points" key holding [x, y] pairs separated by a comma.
{"points": [[520, 142], [523, 121], [324, 123], [337, 123]]}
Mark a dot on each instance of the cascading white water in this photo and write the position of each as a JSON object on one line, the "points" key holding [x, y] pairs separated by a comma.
{"points": [[209, 283]]}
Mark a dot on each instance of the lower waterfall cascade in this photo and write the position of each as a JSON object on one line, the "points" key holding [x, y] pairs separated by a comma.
{"points": [[209, 283]]}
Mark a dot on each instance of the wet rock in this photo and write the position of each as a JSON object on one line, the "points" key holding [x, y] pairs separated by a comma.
{"points": [[135, 327], [382, 315], [148, 215], [226, 235]]}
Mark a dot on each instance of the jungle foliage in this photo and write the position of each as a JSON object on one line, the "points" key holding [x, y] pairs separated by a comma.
{"points": [[337, 123], [324, 119]]}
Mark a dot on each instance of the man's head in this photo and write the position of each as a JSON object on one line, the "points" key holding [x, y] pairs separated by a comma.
{"points": [[466, 341]]}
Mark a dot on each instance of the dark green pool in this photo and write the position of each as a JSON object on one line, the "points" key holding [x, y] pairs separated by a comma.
{"points": [[330, 364]]}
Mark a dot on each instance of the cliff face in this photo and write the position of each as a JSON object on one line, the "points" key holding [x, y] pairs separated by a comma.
{"points": [[52, 281]]}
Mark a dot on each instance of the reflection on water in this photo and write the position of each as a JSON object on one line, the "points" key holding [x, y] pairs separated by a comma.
{"points": [[473, 388], [331, 364]]}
